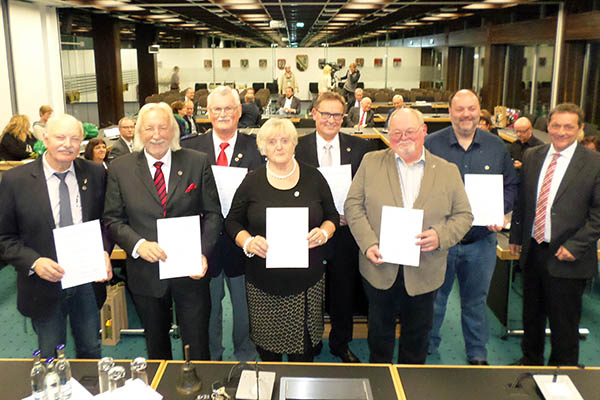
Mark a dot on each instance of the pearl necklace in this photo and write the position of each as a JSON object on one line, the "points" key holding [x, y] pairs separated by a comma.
{"points": [[281, 176]]}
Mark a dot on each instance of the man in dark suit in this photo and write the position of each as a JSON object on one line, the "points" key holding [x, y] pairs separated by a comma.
{"points": [[363, 116], [555, 227], [56, 190], [355, 102], [125, 143], [525, 140], [188, 117], [225, 146], [251, 113], [328, 147], [288, 104], [183, 185]]}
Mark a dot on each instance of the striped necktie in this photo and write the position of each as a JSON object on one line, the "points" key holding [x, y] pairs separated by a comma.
{"points": [[539, 223], [161, 186]]}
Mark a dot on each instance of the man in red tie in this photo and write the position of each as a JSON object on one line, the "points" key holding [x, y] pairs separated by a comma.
{"points": [[227, 147], [163, 181], [363, 116], [555, 227]]}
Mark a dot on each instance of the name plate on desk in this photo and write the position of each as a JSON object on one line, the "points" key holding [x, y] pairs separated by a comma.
{"points": [[325, 389]]}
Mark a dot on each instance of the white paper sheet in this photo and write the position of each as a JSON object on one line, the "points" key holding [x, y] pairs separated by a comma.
{"points": [[562, 389], [228, 179], [181, 240], [339, 179], [486, 195], [397, 237], [287, 229], [80, 252], [78, 391], [133, 389], [111, 132]]}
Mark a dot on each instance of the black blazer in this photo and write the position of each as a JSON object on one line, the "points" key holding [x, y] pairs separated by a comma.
{"points": [[295, 103], [227, 256], [132, 208], [118, 148], [251, 116], [354, 115], [575, 212], [26, 224]]}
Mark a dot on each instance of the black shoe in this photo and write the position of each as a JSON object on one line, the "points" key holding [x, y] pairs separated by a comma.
{"points": [[317, 349], [478, 362], [347, 356], [525, 361]]}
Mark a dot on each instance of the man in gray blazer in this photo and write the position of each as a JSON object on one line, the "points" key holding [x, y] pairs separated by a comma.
{"points": [[125, 143], [163, 181], [405, 175]]}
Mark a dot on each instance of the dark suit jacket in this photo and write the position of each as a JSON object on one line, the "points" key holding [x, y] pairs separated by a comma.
{"points": [[575, 212], [354, 115], [191, 122], [26, 224], [295, 103], [132, 208], [251, 116], [119, 148], [227, 256]]}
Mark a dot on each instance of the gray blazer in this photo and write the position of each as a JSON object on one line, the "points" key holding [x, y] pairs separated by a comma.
{"points": [[446, 210], [118, 149]]}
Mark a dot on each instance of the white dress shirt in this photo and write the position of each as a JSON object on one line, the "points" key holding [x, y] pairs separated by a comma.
{"points": [[52, 182], [229, 150], [336, 158], [561, 167], [410, 177], [288, 103]]}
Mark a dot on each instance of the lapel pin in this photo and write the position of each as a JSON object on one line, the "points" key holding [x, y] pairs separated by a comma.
{"points": [[84, 181], [348, 149], [296, 194], [236, 159], [240, 155], [180, 172], [84, 188], [487, 167]]}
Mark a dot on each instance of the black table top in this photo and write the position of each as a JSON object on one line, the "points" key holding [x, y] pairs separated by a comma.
{"points": [[380, 376]]}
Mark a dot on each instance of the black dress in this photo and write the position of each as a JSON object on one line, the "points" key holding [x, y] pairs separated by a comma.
{"points": [[12, 149], [283, 304]]}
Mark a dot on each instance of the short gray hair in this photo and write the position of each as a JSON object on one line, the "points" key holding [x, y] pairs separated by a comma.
{"points": [[125, 119], [397, 97], [164, 107], [54, 123], [418, 114], [223, 91], [272, 126]]}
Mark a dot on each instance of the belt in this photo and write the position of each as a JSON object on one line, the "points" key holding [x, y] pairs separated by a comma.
{"points": [[466, 241]]}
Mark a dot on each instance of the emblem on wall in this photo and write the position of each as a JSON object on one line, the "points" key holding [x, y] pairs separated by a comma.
{"points": [[360, 62], [302, 62], [281, 63], [378, 62], [207, 63], [244, 63], [226, 63], [397, 62], [322, 62], [262, 63], [341, 62]]}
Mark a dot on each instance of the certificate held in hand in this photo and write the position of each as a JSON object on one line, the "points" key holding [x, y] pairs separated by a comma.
{"points": [[287, 229], [180, 239], [486, 196], [398, 235]]}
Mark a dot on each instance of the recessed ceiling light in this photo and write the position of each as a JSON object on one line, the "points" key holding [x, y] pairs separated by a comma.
{"points": [[481, 6], [160, 16], [432, 19], [171, 20], [187, 25], [243, 7], [361, 6], [129, 8], [447, 15]]}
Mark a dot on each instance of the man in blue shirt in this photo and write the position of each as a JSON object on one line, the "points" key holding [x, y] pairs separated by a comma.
{"points": [[473, 259]]}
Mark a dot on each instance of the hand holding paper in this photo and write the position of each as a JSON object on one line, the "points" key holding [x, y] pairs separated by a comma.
{"points": [[151, 252], [429, 240], [180, 238], [48, 269]]}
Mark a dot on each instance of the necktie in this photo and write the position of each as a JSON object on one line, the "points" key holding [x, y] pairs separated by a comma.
{"points": [[222, 159], [539, 223], [327, 157], [362, 118], [161, 186], [64, 201]]}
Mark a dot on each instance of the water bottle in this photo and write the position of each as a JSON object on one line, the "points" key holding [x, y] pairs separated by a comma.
{"points": [[104, 365], [139, 369], [116, 378], [52, 381], [38, 374], [63, 369]]}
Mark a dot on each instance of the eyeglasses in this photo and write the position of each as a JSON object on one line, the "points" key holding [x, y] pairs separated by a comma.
{"points": [[326, 115], [219, 110], [557, 127], [410, 132]]}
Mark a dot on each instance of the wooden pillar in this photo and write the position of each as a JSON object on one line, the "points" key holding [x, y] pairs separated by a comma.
{"points": [[466, 81], [146, 35], [571, 72], [109, 80], [516, 96], [453, 70], [427, 65], [493, 76]]}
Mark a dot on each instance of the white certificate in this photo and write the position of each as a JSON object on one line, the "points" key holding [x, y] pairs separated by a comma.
{"points": [[486, 195], [339, 179], [180, 239], [397, 237], [80, 252], [228, 179], [287, 229]]}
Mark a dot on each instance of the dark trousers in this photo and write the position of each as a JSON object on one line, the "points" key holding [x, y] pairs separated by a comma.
{"points": [[342, 276], [556, 299], [192, 310], [415, 314]]}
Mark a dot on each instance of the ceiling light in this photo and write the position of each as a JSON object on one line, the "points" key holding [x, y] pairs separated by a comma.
{"points": [[361, 6], [446, 15], [299, 24], [432, 19], [481, 6], [129, 8], [243, 7], [414, 23], [172, 20], [161, 16], [187, 25]]}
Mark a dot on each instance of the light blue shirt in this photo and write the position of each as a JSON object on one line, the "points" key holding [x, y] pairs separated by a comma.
{"points": [[410, 177]]}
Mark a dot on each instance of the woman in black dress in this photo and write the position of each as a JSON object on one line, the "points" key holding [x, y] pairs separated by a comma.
{"points": [[285, 305], [16, 141]]}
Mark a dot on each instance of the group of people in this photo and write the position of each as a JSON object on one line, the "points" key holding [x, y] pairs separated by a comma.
{"points": [[156, 173]]}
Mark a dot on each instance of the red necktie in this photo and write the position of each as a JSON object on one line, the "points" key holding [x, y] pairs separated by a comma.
{"points": [[222, 159], [362, 119], [161, 187], [539, 223]]}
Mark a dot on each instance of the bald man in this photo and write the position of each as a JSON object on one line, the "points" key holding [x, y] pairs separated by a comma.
{"points": [[525, 140]]}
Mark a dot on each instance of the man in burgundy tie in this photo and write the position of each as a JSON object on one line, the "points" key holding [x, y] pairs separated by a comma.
{"points": [[163, 181], [363, 116], [227, 147], [555, 227]]}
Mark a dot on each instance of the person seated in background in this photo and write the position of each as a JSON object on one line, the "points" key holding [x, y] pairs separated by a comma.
{"points": [[398, 102], [251, 114], [189, 95], [288, 79], [124, 145], [288, 104], [358, 96], [252, 98], [525, 140], [485, 122], [178, 113], [591, 142], [188, 117], [16, 141], [362, 116], [39, 127], [95, 151]]}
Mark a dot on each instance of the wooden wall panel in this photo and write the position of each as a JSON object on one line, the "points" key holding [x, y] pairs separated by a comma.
{"points": [[466, 81], [571, 71], [145, 35], [493, 70], [584, 26], [453, 70]]}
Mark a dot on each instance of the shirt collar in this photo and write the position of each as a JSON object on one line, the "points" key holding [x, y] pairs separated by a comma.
{"points": [[567, 153], [322, 142], [49, 171], [166, 160], [454, 141], [420, 160]]}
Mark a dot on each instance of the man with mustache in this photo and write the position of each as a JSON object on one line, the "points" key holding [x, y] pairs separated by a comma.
{"points": [[405, 175], [56, 190], [161, 180], [473, 259], [225, 146]]}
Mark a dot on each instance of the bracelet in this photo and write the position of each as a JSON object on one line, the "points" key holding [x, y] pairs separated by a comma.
{"points": [[324, 232], [245, 247]]}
